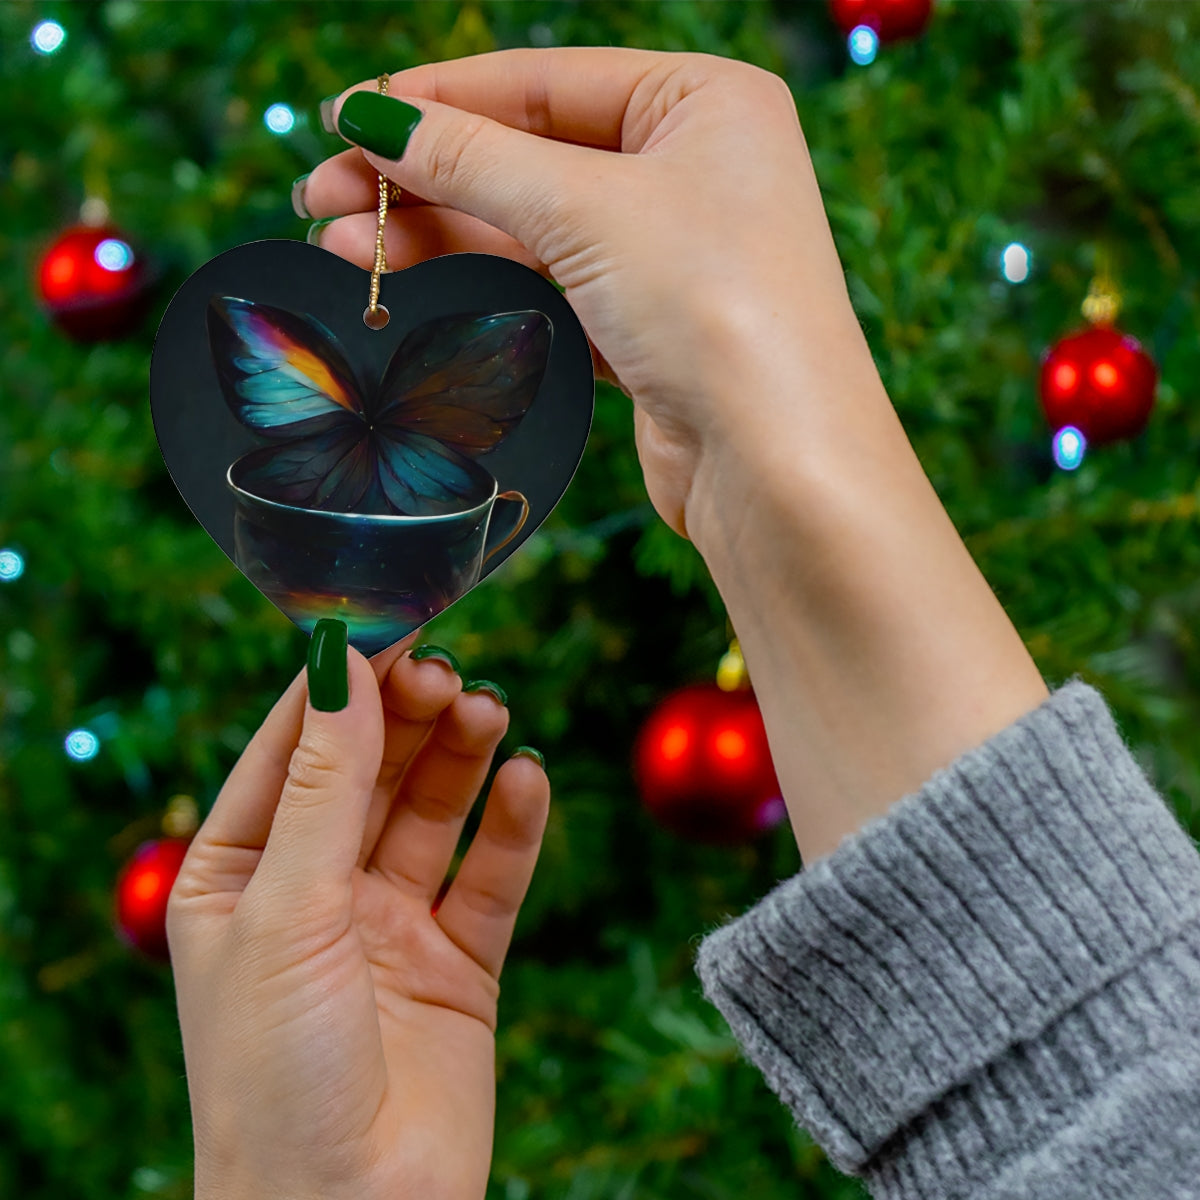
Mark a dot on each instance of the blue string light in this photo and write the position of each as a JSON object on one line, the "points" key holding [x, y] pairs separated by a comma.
{"points": [[113, 254], [279, 119], [1069, 447], [82, 745], [12, 566], [47, 37], [863, 44]]}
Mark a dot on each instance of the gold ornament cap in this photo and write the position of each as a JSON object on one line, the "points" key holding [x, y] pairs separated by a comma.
{"points": [[1103, 302], [182, 817], [731, 671]]}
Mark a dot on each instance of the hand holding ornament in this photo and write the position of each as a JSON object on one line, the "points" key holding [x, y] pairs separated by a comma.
{"points": [[338, 1014], [673, 198]]}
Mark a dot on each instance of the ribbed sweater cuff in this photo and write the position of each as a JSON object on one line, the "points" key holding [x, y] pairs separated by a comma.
{"points": [[969, 960]]}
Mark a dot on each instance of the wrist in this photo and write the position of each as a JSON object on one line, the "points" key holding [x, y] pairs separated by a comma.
{"points": [[790, 429], [787, 378], [877, 649]]}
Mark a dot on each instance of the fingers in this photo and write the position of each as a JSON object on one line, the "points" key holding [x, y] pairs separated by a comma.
{"points": [[227, 847], [419, 234], [414, 696], [318, 825], [381, 663], [571, 93], [342, 184], [419, 837], [346, 183], [514, 181], [480, 910], [415, 693]]}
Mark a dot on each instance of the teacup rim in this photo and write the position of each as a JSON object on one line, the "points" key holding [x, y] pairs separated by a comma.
{"points": [[387, 518]]}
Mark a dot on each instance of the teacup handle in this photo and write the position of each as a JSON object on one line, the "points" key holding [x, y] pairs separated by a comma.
{"points": [[516, 528]]}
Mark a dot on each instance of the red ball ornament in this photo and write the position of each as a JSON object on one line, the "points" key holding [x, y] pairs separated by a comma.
{"points": [[142, 891], [892, 20], [93, 284], [1101, 381], [704, 769]]}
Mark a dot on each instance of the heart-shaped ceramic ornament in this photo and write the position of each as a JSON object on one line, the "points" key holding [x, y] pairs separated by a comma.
{"points": [[372, 475]]}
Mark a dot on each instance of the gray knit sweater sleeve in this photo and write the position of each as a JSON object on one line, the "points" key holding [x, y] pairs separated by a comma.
{"points": [[994, 989]]}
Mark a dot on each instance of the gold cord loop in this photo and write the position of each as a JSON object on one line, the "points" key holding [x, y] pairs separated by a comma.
{"points": [[376, 316]]}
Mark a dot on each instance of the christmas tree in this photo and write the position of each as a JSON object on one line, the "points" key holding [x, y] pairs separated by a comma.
{"points": [[978, 178]]}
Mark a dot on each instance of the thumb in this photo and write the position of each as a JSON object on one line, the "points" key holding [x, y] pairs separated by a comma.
{"points": [[525, 185], [317, 830]]}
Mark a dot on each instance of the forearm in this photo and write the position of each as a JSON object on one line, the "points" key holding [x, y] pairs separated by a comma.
{"points": [[877, 649]]}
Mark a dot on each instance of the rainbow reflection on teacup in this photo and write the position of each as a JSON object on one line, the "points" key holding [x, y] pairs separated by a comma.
{"points": [[384, 575]]}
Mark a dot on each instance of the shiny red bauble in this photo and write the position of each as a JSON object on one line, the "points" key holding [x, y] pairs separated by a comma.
{"points": [[93, 283], [1101, 381], [142, 891], [891, 19], [704, 769]]}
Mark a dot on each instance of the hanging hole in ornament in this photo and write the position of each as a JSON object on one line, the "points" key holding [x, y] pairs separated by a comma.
{"points": [[377, 317]]}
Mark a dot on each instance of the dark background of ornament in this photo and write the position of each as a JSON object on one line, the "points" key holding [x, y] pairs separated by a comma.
{"points": [[200, 437]]}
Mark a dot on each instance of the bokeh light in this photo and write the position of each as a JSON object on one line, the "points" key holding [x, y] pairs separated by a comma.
{"points": [[279, 118], [1069, 447], [114, 255], [12, 566], [1016, 262], [863, 44], [47, 36], [82, 744]]}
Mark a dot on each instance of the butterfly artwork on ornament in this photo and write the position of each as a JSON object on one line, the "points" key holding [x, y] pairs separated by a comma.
{"points": [[368, 501], [374, 473]]}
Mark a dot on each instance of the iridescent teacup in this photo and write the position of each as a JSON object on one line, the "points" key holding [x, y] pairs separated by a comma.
{"points": [[383, 575]]}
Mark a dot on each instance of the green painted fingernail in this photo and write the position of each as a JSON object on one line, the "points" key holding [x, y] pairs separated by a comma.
{"points": [[328, 674], [298, 205], [377, 123], [313, 237], [427, 651], [486, 685], [326, 111], [530, 752]]}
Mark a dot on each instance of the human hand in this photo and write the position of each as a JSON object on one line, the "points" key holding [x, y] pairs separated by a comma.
{"points": [[673, 197], [338, 1035], [699, 250]]}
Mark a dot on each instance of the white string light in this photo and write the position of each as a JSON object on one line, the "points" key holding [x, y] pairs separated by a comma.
{"points": [[279, 119], [1015, 262], [47, 37]]}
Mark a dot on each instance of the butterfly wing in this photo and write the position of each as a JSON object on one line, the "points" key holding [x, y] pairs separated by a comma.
{"points": [[334, 471], [283, 375], [455, 388], [420, 477]]}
